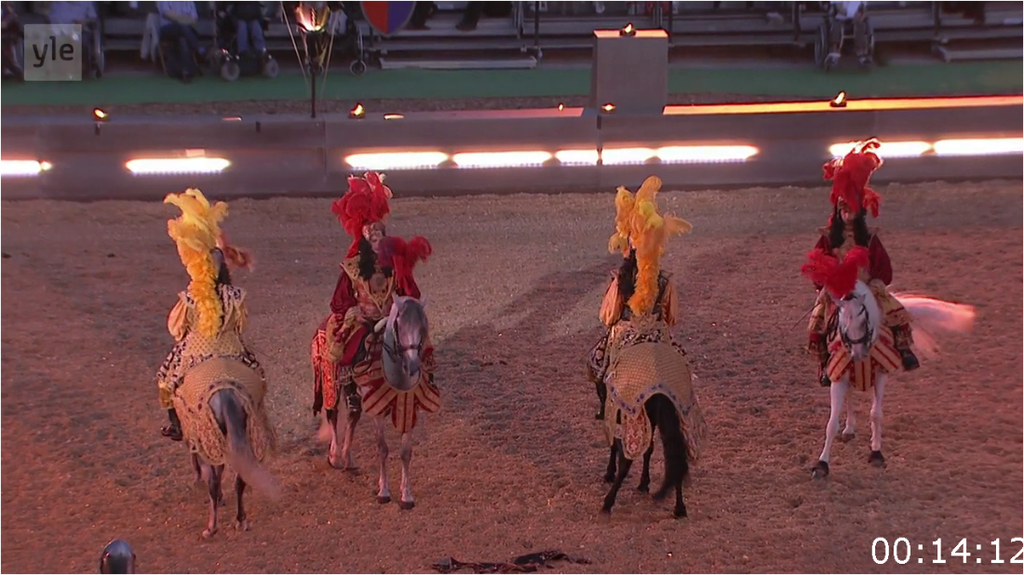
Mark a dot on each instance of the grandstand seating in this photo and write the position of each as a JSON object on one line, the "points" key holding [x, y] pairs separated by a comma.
{"points": [[535, 27]]}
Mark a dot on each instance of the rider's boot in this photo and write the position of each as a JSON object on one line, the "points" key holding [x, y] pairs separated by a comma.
{"points": [[819, 345], [910, 361], [173, 429]]}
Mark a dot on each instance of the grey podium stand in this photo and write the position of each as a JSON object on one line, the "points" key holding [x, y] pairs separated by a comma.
{"points": [[629, 72]]}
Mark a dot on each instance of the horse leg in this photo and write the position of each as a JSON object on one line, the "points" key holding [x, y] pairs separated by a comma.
{"points": [[609, 475], [352, 415], [406, 455], [838, 393], [876, 457], [213, 480], [624, 465], [196, 467], [645, 474], [332, 423], [383, 491], [241, 523], [848, 431]]}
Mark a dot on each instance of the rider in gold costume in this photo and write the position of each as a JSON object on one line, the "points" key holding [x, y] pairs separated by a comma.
{"points": [[639, 307], [210, 316]]}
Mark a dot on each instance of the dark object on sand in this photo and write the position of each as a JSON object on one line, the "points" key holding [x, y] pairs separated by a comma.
{"points": [[528, 563]]}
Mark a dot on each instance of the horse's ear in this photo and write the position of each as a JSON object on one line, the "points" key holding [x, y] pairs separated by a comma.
{"points": [[423, 301]]}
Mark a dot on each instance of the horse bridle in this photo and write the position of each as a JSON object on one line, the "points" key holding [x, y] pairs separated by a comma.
{"points": [[868, 335], [395, 352]]}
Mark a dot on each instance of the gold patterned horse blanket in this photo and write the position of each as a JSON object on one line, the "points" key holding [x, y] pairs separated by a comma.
{"points": [[636, 373], [198, 424]]}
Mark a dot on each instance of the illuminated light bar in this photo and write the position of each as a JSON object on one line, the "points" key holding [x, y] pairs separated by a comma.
{"points": [[23, 168], [979, 147], [500, 159], [396, 160], [885, 150], [577, 157], [623, 156], [705, 154], [172, 166]]}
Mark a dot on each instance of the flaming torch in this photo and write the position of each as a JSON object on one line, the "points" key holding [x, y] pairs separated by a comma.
{"points": [[312, 19]]}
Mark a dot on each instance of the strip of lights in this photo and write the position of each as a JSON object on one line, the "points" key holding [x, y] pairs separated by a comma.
{"points": [[885, 149], [501, 159], [23, 168], [979, 147], [396, 160], [176, 166]]}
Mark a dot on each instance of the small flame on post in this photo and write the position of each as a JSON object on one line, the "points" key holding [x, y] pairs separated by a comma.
{"points": [[100, 115], [357, 112], [628, 30], [608, 108], [307, 19], [839, 101], [561, 106]]}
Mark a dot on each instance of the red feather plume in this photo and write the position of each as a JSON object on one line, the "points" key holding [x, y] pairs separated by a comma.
{"points": [[403, 256], [365, 202], [838, 277], [850, 177]]}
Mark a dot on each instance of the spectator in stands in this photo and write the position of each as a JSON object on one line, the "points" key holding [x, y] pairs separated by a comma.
{"points": [[177, 27], [852, 11], [420, 14], [474, 10], [82, 13], [249, 23], [12, 36]]}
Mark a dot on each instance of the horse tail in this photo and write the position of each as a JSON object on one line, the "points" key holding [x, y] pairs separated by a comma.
{"points": [[931, 316], [677, 465], [239, 452]]}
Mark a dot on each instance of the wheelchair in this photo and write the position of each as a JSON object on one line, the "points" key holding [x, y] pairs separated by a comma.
{"points": [[225, 59], [823, 56]]}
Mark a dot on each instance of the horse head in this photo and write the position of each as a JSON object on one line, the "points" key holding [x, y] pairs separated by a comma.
{"points": [[859, 318], [405, 334]]}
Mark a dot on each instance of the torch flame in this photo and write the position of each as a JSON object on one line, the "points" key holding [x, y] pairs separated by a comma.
{"points": [[307, 18]]}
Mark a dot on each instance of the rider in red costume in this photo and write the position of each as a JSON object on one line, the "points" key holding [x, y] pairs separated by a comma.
{"points": [[375, 269], [851, 199]]}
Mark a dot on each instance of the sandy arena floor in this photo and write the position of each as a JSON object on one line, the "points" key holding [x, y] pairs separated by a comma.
{"points": [[513, 462]]}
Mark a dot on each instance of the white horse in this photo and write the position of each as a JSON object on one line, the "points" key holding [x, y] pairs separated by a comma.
{"points": [[859, 320], [404, 332]]}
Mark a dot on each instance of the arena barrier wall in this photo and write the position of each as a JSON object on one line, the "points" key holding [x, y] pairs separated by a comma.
{"points": [[537, 150]]}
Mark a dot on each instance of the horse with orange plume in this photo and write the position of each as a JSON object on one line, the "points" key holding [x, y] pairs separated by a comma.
{"points": [[642, 376]]}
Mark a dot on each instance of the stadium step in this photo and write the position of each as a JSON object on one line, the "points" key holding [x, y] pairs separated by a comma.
{"points": [[524, 63]]}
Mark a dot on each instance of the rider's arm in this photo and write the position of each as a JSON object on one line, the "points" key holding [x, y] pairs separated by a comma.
{"points": [[177, 320], [881, 266], [611, 306]]}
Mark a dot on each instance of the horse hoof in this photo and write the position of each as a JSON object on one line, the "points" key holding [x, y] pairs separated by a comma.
{"points": [[643, 488], [606, 512], [207, 533], [679, 512], [384, 500], [876, 459], [609, 478], [846, 437], [820, 470], [242, 525], [406, 505]]}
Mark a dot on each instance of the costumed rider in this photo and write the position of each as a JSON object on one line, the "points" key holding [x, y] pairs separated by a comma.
{"points": [[847, 228], [209, 318], [640, 306], [346, 350]]}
